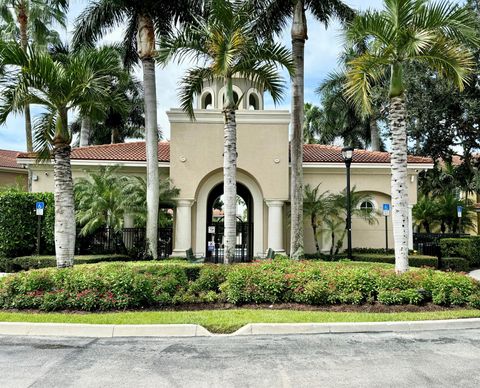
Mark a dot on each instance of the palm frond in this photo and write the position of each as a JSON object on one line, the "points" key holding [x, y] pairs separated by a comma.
{"points": [[361, 74], [191, 86]]}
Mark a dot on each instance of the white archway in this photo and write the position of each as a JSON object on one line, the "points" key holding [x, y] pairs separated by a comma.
{"points": [[204, 190], [205, 92], [258, 98], [221, 94]]}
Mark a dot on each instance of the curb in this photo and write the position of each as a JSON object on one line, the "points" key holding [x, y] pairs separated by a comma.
{"points": [[357, 327], [101, 331], [186, 330]]}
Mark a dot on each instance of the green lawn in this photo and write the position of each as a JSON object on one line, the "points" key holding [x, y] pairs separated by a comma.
{"points": [[227, 321]]}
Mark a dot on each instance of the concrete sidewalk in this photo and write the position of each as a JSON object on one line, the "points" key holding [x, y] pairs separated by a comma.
{"points": [[110, 331], [475, 274]]}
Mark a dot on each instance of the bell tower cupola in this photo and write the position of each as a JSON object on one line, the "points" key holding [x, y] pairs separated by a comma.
{"points": [[213, 95]]}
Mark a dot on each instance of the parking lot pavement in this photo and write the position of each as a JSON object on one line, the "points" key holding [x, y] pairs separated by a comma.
{"points": [[421, 359]]}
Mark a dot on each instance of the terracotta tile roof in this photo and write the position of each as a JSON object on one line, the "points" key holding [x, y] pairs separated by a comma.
{"points": [[313, 153], [9, 159], [317, 153], [134, 151]]}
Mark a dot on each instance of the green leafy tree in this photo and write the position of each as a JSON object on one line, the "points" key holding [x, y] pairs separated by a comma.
{"points": [[432, 33], [145, 20], [226, 42], [275, 14], [84, 79], [30, 22]]}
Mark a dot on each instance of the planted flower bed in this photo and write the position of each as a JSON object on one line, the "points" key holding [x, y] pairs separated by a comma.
{"points": [[117, 286]]}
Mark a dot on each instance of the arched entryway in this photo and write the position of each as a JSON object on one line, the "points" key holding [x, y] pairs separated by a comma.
{"points": [[215, 227]]}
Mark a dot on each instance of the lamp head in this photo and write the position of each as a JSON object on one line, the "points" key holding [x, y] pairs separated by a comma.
{"points": [[347, 154]]}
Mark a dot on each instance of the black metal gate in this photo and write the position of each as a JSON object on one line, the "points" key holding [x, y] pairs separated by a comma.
{"points": [[243, 247]]}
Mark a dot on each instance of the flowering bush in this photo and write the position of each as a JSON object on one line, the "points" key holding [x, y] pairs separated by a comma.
{"points": [[117, 286]]}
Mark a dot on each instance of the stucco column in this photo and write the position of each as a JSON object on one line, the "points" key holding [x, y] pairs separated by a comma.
{"points": [[410, 227], [128, 222], [183, 228], [275, 225]]}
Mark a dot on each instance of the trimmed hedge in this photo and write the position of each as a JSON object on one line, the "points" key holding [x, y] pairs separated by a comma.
{"points": [[116, 286], [35, 262], [413, 260], [458, 264], [468, 248], [18, 223]]}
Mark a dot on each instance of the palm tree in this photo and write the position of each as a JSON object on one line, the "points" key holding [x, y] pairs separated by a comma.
{"points": [[29, 21], [144, 20], [98, 201], [435, 34], [342, 119], [84, 79], [227, 42], [312, 123], [426, 212], [134, 202], [316, 206], [118, 123], [275, 16]]}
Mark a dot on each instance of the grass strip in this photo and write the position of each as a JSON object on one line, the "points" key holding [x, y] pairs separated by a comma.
{"points": [[227, 321]]}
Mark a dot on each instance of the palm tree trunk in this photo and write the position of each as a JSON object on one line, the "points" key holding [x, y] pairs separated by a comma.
{"points": [[299, 35], [399, 182], [85, 131], [374, 135], [313, 222], [230, 176], [64, 207], [146, 48], [23, 23]]}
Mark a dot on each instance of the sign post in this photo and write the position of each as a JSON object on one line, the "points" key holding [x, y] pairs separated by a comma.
{"points": [[39, 207], [386, 213], [459, 215]]}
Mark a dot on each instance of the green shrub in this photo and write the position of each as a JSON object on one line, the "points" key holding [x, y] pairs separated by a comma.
{"points": [[407, 296], [458, 264], [116, 286], [18, 223], [467, 247], [35, 262], [413, 260]]}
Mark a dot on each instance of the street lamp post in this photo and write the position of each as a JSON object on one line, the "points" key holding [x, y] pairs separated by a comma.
{"points": [[347, 154]]}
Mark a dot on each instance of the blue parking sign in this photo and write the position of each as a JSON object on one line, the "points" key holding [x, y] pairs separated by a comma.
{"points": [[39, 206], [386, 209]]}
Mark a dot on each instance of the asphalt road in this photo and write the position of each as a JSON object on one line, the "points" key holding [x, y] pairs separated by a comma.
{"points": [[421, 359]]}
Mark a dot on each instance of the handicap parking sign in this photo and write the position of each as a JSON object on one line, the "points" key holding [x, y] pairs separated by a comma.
{"points": [[386, 209], [39, 207]]}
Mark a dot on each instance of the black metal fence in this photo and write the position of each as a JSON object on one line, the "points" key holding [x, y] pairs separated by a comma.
{"points": [[429, 243], [128, 240]]}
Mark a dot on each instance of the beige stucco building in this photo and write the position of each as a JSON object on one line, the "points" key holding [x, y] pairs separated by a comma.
{"points": [[11, 174], [193, 160]]}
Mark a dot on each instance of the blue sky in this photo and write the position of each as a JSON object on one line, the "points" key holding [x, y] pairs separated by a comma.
{"points": [[321, 57]]}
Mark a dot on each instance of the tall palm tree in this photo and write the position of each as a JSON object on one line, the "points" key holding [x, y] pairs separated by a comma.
{"points": [[145, 20], [30, 21], [84, 79], [276, 15], [433, 33], [226, 43]]}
